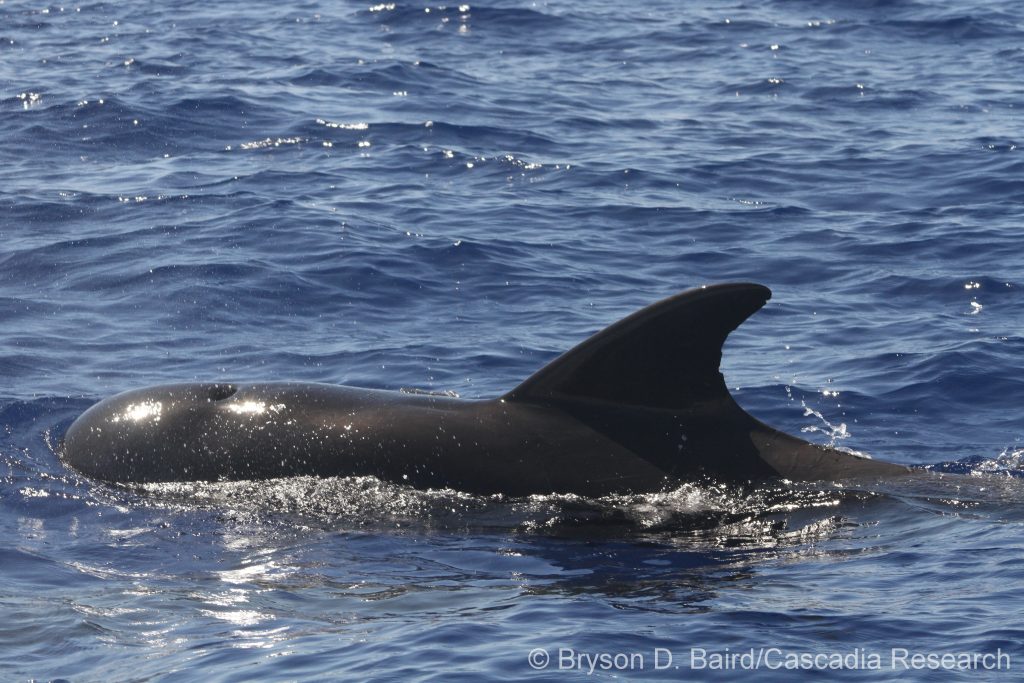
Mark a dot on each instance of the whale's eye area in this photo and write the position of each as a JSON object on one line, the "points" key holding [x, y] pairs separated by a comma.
{"points": [[219, 392]]}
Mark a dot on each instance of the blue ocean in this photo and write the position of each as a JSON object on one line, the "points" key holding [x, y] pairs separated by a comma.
{"points": [[446, 197]]}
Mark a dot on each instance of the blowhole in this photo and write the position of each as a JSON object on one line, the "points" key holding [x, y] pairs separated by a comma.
{"points": [[219, 392]]}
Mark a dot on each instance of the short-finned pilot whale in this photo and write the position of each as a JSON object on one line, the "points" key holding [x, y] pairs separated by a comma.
{"points": [[640, 406]]}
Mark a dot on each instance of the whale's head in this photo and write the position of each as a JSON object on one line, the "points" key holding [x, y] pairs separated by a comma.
{"points": [[214, 431], [130, 436]]}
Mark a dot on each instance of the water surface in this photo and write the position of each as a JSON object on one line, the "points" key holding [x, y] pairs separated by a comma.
{"points": [[446, 197]]}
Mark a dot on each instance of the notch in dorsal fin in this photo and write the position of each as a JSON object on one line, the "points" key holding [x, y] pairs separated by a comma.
{"points": [[663, 356]]}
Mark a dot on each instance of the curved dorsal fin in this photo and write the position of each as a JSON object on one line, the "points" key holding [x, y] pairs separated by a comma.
{"points": [[663, 356]]}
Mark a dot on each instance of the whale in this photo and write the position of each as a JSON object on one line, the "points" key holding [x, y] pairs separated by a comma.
{"points": [[640, 406]]}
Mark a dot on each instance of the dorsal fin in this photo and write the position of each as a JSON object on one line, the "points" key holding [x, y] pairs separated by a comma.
{"points": [[663, 356]]}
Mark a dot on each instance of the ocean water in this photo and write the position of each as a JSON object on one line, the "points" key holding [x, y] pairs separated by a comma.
{"points": [[446, 197]]}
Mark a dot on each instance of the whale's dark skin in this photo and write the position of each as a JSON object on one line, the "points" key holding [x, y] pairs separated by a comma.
{"points": [[638, 407]]}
